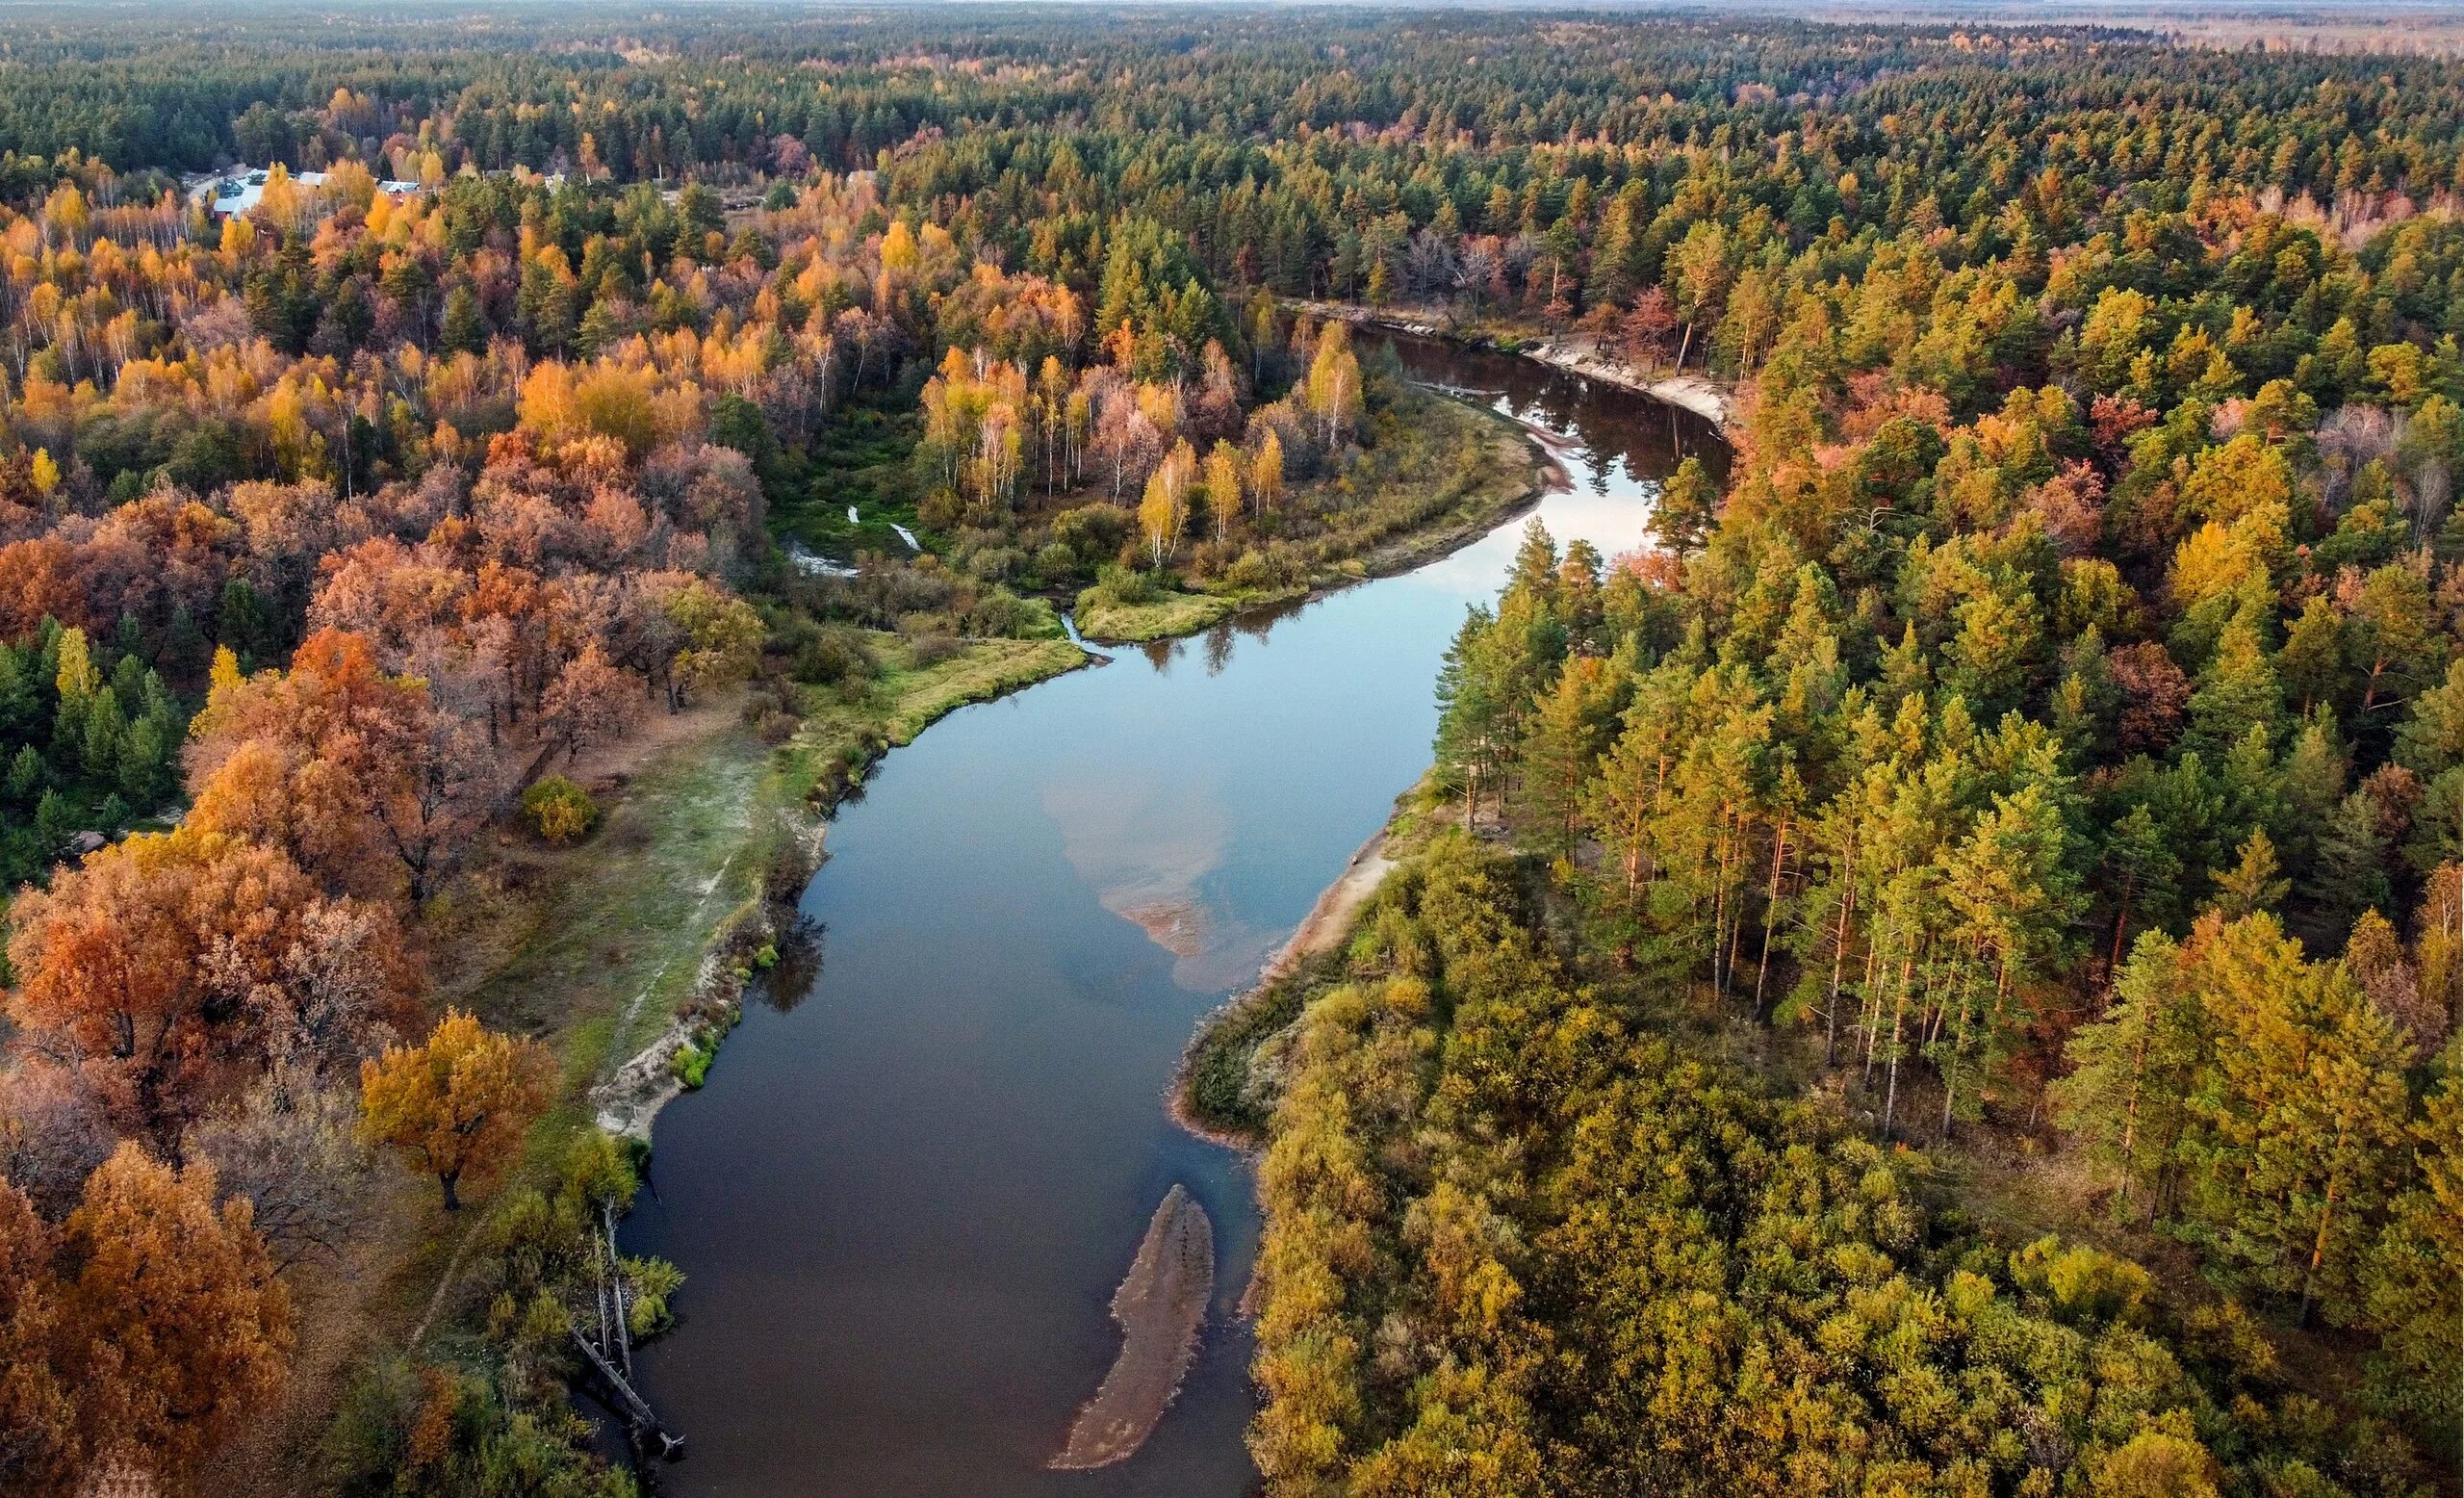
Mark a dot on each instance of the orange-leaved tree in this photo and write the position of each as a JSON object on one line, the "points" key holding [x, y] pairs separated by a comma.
{"points": [[38, 1416], [459, 1103], [154, 961], [173, 1328]]}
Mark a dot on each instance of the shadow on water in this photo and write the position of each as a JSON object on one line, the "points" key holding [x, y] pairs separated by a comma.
{"points": [[914, 1179]]}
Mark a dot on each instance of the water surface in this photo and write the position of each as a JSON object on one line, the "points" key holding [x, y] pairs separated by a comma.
{"points": [[910, 1188]]}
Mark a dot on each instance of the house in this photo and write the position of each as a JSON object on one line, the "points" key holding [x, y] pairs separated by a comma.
{"points": [[242, 188]]}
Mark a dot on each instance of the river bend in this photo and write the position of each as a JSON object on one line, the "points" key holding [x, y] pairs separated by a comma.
{"points": [[906, 1194]]}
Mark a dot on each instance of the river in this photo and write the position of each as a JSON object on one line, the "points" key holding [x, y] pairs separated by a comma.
{"points": [[906, 1195]]}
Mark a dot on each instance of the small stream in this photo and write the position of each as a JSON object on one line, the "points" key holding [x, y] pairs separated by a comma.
{"points": [[906, 1195]]}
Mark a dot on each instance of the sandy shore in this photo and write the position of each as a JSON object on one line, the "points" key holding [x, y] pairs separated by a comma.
{"points": [[1699, 394], [1159, 1306], [1329, 920]]}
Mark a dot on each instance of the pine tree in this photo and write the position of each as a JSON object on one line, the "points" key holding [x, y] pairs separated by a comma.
{"points": [[2412, 1296], [466, 327], [1570, 730], [2250, 886], [1688, 504], [24, 775], [2131, 1071], [2236, 690]]}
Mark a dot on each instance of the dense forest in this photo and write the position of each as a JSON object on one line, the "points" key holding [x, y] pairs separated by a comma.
{"points": [[2039, 754]]}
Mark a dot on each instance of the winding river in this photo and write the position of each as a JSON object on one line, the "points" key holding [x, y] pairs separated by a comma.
{"points": [[906, 1194]]}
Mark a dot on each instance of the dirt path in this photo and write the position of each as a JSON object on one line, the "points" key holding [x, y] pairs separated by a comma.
{"points": [[1159, 1306]]}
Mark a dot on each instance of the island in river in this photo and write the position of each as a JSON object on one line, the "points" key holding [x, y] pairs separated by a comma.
{"points": [[1159, 1306]]}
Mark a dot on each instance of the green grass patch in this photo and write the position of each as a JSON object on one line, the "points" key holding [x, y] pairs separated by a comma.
{"points": [[1108, 621], [860, 457], [846, 727], [693, 1065], [620, 920]]}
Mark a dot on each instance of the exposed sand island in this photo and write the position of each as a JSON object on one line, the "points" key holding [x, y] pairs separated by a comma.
{"points": [[1159, 1306]]}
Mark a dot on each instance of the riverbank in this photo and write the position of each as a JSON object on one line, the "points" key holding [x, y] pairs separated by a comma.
{"points": [[1712, 400], [1224, 1087], [1329, 920], [1440, 507], [622, 951], [1107, 621], [843, 731]]}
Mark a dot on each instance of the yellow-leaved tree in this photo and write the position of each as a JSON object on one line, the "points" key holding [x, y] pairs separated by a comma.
{"points": [[457, 1105]]}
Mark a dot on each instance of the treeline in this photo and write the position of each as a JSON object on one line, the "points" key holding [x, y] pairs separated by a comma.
{"points": [[1203, 101], [2063, 691]]}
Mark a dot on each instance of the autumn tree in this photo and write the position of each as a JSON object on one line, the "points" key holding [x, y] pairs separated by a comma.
{"points": [[720, 639], [591, 700], [2253, 1099], [37, 1408], [457, 1105], [1223, 488], [176, 1331], [1164, 510], [1266, 474]]}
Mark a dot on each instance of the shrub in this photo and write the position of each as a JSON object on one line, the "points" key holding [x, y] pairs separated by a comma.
{"points": [[1055, 561], [1250, 571], [558, 810], [693, 1063], [1127, 586], [828, 656], [1093, 532], [931, 650]]}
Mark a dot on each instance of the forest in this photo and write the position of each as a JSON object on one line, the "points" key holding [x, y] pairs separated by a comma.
{"points": [[1937, 973]]}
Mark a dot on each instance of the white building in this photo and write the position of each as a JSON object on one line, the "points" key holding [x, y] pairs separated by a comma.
{"points": [[240, 189]]}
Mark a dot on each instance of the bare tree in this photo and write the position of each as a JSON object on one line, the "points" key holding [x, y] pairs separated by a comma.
{"points": [[291, 1146]]}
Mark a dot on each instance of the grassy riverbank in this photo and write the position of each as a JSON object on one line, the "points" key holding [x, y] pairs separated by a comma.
{"points": [[845, 728], [597, 947], [1111, 620], [601, 941]]}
